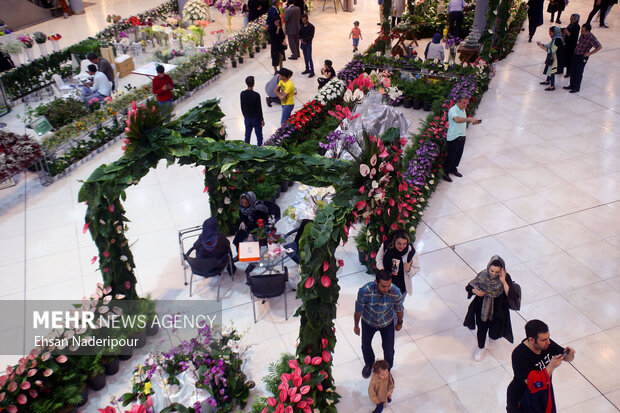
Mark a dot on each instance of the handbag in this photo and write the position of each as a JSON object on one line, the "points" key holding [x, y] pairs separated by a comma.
{"points": [[549, 59], [514, 301]]}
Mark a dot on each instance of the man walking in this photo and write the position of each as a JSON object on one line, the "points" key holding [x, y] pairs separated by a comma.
{"points": [[582, 53], [252, 112], [292, 17], [376, 304], [457, 125], [306, 34], [536, 352]]}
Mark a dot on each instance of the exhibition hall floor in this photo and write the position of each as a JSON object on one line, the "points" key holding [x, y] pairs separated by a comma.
{"points": [[541, 188]]}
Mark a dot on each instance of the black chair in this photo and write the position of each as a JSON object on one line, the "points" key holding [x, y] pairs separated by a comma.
{"points": [[268, 286], [208, 267], [295, 244]]}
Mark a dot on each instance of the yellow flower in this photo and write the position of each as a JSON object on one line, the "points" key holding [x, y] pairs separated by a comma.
{"points": [[147, 387]]}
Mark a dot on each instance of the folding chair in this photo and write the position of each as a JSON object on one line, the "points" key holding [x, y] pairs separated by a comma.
{"points": [[268, 286]]}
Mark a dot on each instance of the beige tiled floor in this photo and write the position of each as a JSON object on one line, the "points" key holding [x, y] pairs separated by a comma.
{"points": [[541, 188]]}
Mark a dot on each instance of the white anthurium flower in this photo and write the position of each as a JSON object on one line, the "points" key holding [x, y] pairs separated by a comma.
{"points": [[375, 184], [220, 210], [227, 200]]}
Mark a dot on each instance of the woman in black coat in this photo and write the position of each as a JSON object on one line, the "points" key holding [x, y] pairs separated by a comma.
{"points": [[556, 6], [571, 35], [489, 310], [277, 39], [534, 15]]}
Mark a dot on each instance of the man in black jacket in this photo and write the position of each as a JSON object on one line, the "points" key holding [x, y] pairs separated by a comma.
{"points": [[306, 34], [252, 112]]}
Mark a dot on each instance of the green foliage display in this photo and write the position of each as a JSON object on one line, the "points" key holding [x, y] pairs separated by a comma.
{"points": [[61, 111]]}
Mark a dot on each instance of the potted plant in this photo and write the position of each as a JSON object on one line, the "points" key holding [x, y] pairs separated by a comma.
{"points": [[41, 38], [28, 42], [13, 48], [427, 98], [418, 90], [111, 364], [94, 370]]}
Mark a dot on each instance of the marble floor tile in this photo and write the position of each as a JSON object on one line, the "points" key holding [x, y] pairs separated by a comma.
{"points": [[469, 195], [570, 199], [539, 178], [472, 390], [413, 373], [533, 287], [443, 267], [571, 388], [39, 245], [603, 220], [12, 250], [495, 218], [600, 257], [478, 253], [439, 206], [50, 269], [597, 404], [426, 240], [614, 398], [566, 323], [597, 302], [527, 243], [566, 232], [533, 208], [504, 187], [439, 400], [596, 358], [12, 279], [563, 272], [426, 314], [456, 228]]}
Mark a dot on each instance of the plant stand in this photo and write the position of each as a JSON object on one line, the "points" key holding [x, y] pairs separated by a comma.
{"points": [[55, 46], [29, 54], [43, 49], [16, 59]]}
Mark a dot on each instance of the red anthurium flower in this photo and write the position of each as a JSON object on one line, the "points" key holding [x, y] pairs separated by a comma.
{"points": [[106, 254], [360, 205], [308, 360], [325, 265], [326, 356], [289, 409], [340, 263], [271, 402], [316, 361], [324, 342], [85, 228], [111, 208], [292, 364], [309, 282], [93, 259], [326, 281], [373, 254], [283, 395]]}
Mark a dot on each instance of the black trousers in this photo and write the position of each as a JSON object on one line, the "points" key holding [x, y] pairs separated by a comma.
{"points": [[481, 333], [456, 21], [532, 29], [240, 236], [453, 156], [576, 73], [603, 8]]}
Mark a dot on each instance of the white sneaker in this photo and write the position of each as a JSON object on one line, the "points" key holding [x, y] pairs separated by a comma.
{"points": [[479, 354]]}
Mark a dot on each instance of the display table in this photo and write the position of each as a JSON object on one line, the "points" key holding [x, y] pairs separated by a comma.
{"points": [[468, 55], [150, 69]]}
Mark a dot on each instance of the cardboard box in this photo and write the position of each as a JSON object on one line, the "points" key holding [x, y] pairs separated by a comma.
{"points": [[249, 252], [124, 65]]}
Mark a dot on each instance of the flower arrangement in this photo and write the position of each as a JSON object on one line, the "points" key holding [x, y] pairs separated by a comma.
{"points": [[12, 47], [17, 153], [351, 71], [26, 40], [195, 10], [336, 143], [343, 112], [451, 41], [282, 134], [331, 91], [54, 37], [229, 7], [40, 37], [306, 114]]}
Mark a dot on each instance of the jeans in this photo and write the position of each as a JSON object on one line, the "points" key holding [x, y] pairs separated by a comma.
{"points": [[306, 48], [286, 112], [453, 156], [356, 42], [256, 124], [551, 80], [166, 106], [387, 342], [576, 74]]}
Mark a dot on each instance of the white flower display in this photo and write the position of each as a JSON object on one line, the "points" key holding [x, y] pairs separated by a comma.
{"points": [[332, 90]]}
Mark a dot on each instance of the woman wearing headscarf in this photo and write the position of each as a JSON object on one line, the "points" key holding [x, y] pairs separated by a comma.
{"points": [[571, 35], [398, 255], [210, 243], [556, 6], [534, 16], [250, 211], [277, 39], [434, 49], [489, 310], [551, 62]]}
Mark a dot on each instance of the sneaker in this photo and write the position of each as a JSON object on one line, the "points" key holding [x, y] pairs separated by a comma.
{"points": [[268, 101], [311, 74], [447, 178], [479, 355], [305, 72], [366, 371], [457, 173]]}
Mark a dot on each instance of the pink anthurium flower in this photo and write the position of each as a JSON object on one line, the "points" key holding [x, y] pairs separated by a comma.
{"points": [[308, 360], [326, 281], [271, 402], [309, 282], [292, 363], [316, 361], [326, 356], [325, 265]]}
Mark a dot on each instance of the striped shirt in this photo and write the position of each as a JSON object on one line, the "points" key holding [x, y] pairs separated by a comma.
{"points": [[378, 309]]}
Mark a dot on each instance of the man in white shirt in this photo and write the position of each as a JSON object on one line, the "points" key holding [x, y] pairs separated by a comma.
{"points": [[99, 88]]}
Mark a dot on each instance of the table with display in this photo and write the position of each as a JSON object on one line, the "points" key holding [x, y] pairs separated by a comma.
{"points": [[270, 259], [150, 69]]}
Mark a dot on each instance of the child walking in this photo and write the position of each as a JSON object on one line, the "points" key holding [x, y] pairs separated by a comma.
{"points": [[381, 385], [356, 35]]}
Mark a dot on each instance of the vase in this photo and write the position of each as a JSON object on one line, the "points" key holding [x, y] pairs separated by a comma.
{"points": [[29, 54], [42, 49], [16, 59], [229, 22], [55, 46]]}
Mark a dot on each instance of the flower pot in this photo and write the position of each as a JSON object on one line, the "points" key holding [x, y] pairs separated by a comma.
{"points": [[264, 45], [284, 186], [362, 257], [240, 60], [426, 105], [251, 55], [126, 353], [112, 367], [68, 409], [291, 183], [97, 383], [257, 48], [55, 45], [29, 54], [43, 49], [141, 339], [407, 102], [16, 59], [152, 330], [234, 63], [416, 104], [84, 397]]}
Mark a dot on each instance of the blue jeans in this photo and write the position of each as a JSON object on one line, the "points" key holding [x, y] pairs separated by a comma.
{"points": [[286, 112], [306, 48], [387, 342], [256, 124], [168, 106]]}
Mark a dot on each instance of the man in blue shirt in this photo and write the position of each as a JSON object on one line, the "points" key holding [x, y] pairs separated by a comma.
{"points": [[457, 125], [376, 304]]}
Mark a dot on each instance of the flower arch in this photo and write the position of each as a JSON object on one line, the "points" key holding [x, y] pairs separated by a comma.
{"points": [[196, 139]]}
